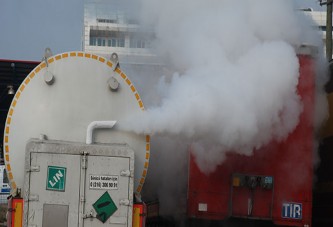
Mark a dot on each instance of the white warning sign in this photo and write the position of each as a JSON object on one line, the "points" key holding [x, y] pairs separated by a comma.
{"points": [[103, 182]]}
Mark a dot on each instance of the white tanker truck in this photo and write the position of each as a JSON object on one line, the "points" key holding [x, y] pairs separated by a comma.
{"points": [[63, 152]]}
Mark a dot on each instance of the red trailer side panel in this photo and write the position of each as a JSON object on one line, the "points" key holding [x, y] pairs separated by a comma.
{"points": [[275, 183]]}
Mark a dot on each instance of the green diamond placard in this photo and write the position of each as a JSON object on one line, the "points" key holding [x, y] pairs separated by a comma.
{"points": [[104, 207], [56, 178]]}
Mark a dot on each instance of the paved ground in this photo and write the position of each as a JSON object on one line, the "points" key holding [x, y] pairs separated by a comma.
{"points": [[3, 211]]}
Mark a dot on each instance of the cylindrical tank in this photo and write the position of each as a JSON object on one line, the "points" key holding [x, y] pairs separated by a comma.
{"points": [[61, 97]]}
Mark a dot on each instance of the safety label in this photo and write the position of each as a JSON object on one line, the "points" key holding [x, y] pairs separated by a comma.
{"points": [[104, 207], [103, 182], [56, 178]]}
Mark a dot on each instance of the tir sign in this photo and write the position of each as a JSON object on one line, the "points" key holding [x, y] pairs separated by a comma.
{"points": [[292, 210], [56, 178]]}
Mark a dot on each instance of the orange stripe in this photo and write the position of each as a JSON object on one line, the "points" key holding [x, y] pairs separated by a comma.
{"points": [[137, 96], [7, 130], [118, 70], [58, 57], [146, 165], [109, 63], [142, 180], [144, 173], [128, 81], [50, 60], [147, 155], [139, 188], [64, 55], [140, 104], [10, 175], [123, 76], [32, 75], [6, 148], [17, 215], [27, 80], [22, 87], [72, 54], [13, 185], [147, 147], [94, 57], [18, 95], [8, 168], [14, 103], [9, 120], [6, 139], [7, 157], [101, 59], [37, 69], [11, 112], [80, 54], [133, 88], [147, 138], [43, 65], [87, 55]]}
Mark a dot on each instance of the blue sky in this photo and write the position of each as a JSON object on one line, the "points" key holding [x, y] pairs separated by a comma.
{"points": [[310, 3], [27, 27]]}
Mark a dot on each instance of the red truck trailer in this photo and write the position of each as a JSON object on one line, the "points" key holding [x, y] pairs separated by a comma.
{"points": [[274, 184]]}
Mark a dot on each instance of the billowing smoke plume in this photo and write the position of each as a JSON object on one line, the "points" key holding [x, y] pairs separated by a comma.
{"points": [[235, 89]]}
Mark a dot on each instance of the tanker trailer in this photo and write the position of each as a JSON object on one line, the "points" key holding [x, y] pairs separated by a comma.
{"points": [[274, 185], [63, 152]]}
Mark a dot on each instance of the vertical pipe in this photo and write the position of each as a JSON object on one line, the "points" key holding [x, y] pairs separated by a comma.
{"points": [[82, 216], [97, 124], [329, 30]]}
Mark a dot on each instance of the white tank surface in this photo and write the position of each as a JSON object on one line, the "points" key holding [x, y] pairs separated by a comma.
{"points": [[61, 97]]}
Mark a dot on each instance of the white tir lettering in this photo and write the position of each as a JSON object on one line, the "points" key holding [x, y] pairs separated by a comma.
{"points": [[285, 208], [297, 210]]}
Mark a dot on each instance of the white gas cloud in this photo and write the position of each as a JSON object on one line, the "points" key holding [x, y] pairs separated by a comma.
{"points": [[236, 88]]}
